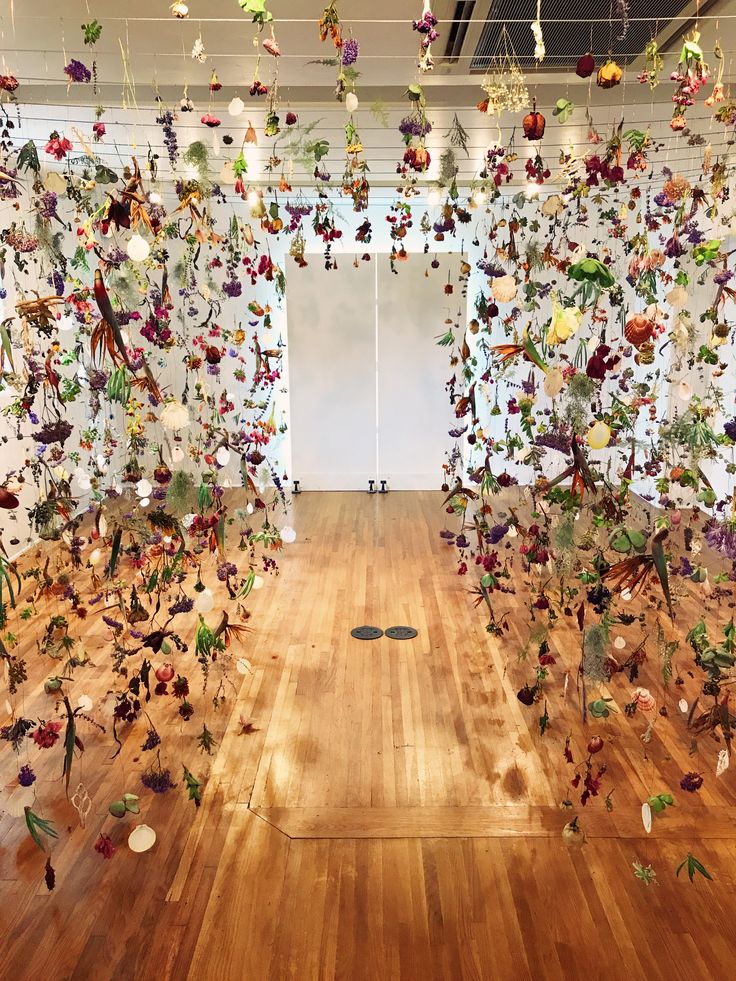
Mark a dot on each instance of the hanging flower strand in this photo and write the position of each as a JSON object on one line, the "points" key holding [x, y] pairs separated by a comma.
{"points": [[427, 27], [539, 49]]}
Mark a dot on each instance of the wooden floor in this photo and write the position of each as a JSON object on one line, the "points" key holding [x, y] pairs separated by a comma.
{"points": [[395, 814]]}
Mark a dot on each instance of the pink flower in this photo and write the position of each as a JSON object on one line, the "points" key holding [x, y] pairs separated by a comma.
{"points": [[47, 734], [58, 146], [209, 120], [99, 130]]}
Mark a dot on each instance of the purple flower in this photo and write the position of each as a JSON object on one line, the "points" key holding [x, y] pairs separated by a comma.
{"points": [[47, 204], [232, 288], [26, 776], [77, 72], [496, 533], [54, 432], [350, 52], [152, 740], [722, 537], [183, 605], [226, 569], [554, 440], [414, 126], [691, 782], [159, 781]]}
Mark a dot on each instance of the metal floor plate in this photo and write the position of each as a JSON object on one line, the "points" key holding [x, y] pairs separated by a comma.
{"points": [[367, 633], [401, 633]]}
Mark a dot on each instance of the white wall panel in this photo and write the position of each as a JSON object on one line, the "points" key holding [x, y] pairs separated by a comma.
{"points": [[414, 412], [332, 374]]}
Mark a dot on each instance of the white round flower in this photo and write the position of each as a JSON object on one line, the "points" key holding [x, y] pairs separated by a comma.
{"points": [[174, 415]]}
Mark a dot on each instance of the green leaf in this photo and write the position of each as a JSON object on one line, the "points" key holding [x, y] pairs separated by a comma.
{"points": [[258, 10], [194, 787], [622, 543], [380, 113], [92, 32], [240, 165], [28, 157], [637, 539], [37, 826], [104, 175], [692, 865]]}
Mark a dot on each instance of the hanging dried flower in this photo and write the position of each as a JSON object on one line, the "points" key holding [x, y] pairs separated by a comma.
{"points": [[77, 72], [609, 74], [534, 123], [585, 66], [504, 288], [174, 416], [58, 146], [198, 52]]}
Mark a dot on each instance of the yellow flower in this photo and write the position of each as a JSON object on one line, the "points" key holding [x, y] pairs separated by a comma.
{"points": [[565, 322]]}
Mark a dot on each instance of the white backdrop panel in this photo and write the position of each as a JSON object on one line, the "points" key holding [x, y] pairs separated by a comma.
{"points": [[414, 412], [332, 375]]}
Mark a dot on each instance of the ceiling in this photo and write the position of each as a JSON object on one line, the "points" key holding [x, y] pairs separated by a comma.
{"points": [[142, 38]]}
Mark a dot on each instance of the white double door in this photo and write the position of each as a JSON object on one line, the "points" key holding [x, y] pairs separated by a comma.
{"points": [[366, 376]]}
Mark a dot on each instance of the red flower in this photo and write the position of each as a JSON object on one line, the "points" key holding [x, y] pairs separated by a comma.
{"points": [[58, 146], [47, 734], [104, 846], [99, 130]]}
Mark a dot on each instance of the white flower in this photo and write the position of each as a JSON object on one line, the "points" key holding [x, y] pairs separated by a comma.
{"points": [[503, 289], [553, 206], [198, 52], [677, 296], [554, 382], [174, 415]]}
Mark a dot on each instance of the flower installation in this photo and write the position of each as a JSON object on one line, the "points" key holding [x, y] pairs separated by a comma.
{"points": [[141, 373]]}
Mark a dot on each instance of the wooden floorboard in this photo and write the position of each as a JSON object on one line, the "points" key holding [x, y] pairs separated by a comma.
{"points": [[507, 821], [395, 814]]}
